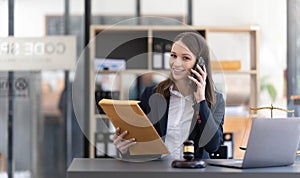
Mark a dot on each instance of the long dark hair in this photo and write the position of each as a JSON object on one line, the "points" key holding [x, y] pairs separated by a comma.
{"points": [[198, 46]]}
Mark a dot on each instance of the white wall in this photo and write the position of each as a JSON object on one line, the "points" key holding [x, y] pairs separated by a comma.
{"points": [[30, 16], [3, 18], [270, 15]]}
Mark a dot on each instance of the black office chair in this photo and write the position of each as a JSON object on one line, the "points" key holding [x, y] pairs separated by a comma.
{"points": [[222, 153], [227, 145]]}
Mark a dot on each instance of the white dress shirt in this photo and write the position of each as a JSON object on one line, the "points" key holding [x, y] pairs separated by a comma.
{"points": [[179, 122]]}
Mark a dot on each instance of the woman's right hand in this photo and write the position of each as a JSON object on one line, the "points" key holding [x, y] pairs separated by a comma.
{"points": [[121, 144]]}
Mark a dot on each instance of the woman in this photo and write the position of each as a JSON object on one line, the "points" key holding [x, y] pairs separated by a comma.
{"points": [[184, 107]]}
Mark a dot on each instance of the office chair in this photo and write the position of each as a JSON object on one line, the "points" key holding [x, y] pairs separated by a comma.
{"points": [[226, 149]]}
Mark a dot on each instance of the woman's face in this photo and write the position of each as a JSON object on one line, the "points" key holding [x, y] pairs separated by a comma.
{"points": [[181, 61]]}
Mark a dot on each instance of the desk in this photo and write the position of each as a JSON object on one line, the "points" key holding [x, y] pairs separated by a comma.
{"points": [[112, 168]]}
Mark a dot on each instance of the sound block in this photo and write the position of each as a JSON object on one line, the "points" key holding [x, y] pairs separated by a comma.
{"points": [[189, 164]]}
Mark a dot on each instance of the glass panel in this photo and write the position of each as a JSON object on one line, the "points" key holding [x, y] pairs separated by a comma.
{"points": [[40, 133], [293, 72]]}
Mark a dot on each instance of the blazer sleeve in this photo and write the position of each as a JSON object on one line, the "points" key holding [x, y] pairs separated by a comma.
{"points": [[144, 104], [211, 127]]}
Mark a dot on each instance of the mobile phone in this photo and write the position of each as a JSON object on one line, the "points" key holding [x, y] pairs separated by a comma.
{"points": [[200, 62]]}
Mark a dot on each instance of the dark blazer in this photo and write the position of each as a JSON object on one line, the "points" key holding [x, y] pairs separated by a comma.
{"points": [[207, 136]]}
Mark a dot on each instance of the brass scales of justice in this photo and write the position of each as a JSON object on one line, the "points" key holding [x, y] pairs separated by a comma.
{"points": [[271, 108]]}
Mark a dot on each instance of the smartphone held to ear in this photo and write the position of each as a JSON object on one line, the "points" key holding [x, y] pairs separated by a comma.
{"points": [[201, 63]]}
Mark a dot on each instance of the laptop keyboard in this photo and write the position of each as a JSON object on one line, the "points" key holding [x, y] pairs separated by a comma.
{"points": [[235, 162], [226, 162]]}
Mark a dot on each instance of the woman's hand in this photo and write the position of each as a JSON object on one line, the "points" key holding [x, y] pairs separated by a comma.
{"points": [[121, 144], [200, 82]]}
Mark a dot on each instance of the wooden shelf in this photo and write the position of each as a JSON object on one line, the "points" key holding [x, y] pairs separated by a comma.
{"points": [[140, 71], [237, 72], [2, 163], [244, 29], [132, 71]]}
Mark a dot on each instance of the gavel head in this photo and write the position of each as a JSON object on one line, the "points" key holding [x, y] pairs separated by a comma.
{"points": [[188, 150]]}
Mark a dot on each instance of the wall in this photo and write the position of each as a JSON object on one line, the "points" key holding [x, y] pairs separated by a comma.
{"points": [[270, 15]]}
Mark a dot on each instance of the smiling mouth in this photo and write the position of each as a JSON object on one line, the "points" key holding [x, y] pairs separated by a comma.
{"points": [[178, 70]]}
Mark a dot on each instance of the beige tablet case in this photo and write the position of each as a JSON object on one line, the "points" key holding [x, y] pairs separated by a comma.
{"points": [[127, 115]]}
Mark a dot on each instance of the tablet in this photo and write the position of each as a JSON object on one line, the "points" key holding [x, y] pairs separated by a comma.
{"points": [[127, 115]]}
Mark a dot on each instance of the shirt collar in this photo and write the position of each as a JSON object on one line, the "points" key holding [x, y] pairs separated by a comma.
{"points": [[178, 94]]}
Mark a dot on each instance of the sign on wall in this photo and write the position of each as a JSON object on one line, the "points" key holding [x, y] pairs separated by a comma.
{"points": [[44, 53]]}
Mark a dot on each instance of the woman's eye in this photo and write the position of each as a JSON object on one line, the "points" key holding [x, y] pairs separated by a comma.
{"points": [[186, 58], [173, 56]]}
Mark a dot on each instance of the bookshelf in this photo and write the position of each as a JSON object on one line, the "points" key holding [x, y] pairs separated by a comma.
{"points": [[136, 46]]}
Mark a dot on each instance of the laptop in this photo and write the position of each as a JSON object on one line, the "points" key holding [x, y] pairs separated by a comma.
{"points": [[272, 142]]}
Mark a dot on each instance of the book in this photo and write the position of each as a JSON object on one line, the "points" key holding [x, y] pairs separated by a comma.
{"points": [[127, 115]]}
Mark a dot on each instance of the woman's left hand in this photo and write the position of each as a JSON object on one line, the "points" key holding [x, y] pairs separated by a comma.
{"points": [[200, 82]]}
